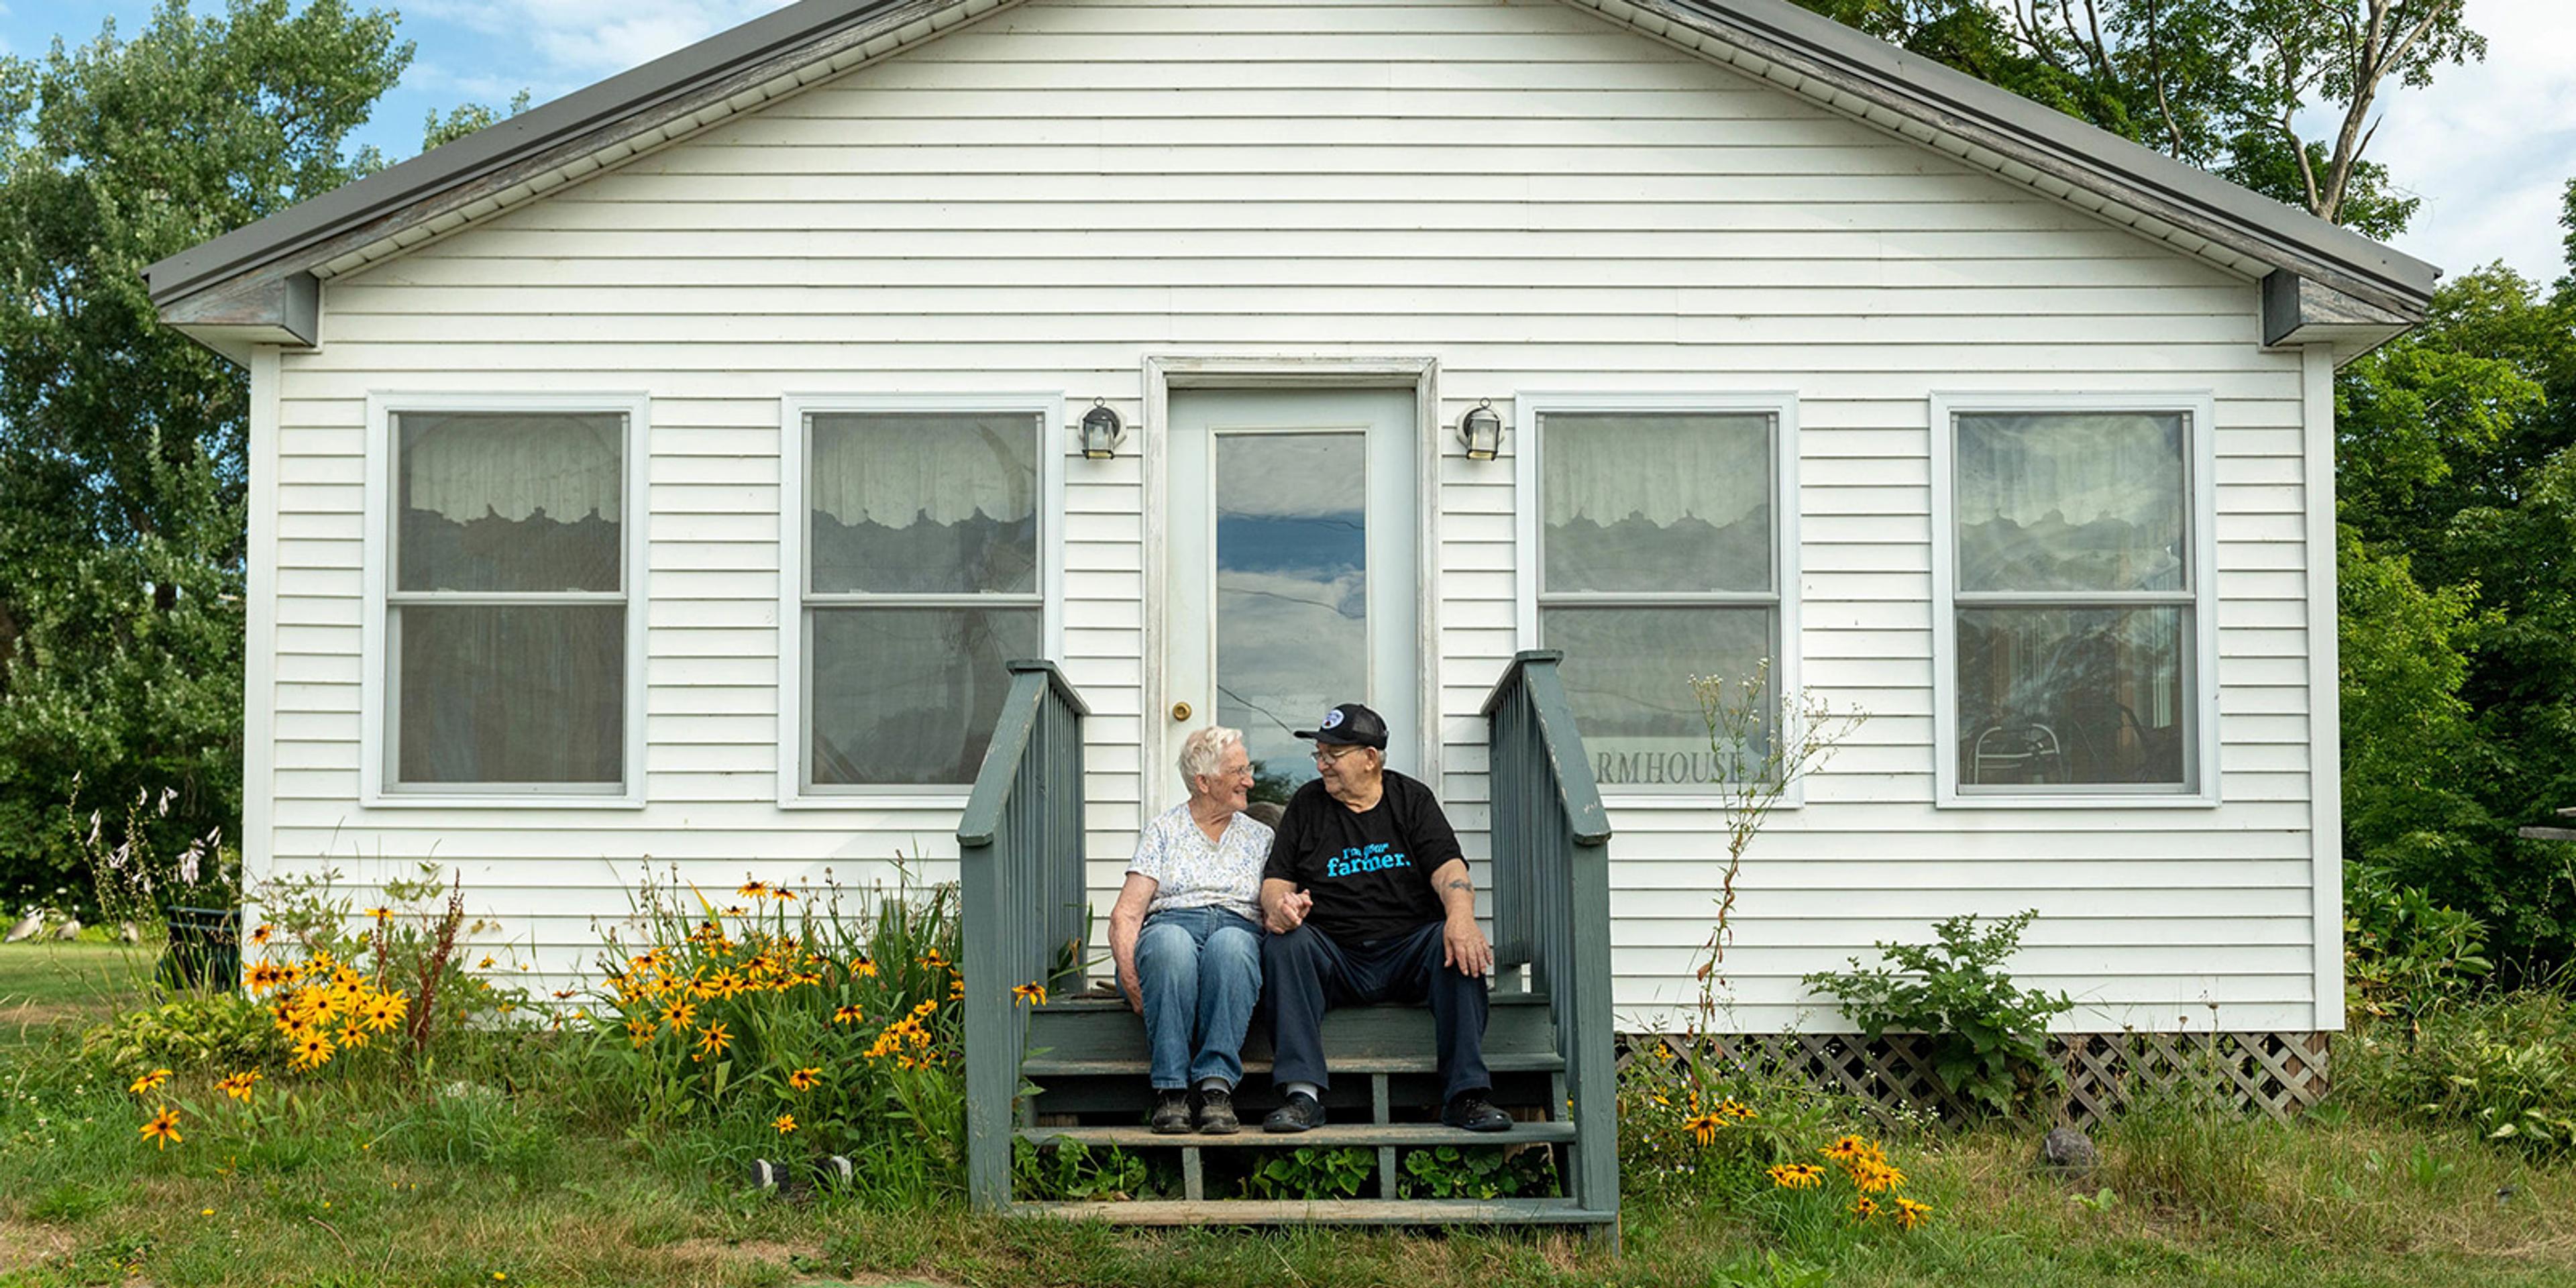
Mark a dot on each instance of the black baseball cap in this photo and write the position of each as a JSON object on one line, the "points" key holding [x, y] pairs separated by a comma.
{"points": [[1349, 725]]}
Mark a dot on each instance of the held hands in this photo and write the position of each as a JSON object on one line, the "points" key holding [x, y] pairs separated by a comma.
{"points": [[1462, 944], [1291, 912]]}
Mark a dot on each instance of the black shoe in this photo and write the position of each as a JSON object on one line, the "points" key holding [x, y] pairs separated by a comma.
{"points": [[1171, 1112], [1470, 1111], [1300, 1113], [1216, 1113]]}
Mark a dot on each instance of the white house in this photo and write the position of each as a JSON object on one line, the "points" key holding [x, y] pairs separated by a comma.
{"points": [[668, 472]]}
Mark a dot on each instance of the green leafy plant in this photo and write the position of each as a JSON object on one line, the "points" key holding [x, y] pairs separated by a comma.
{"points": [[1313, 1172], [220, 1030], [2406, 954], [1069, 1171], [1989, 1035], [1493, 1172]]}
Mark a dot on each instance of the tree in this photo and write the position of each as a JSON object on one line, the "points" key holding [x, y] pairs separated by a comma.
{"points": [[122, 466], [2222, 84]]}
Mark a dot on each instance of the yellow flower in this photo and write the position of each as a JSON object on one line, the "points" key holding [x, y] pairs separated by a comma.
{"points": [[785, 1123], [1863, 1208], [163, 1130], [754, 890], [149, 1082], [639, 1030], [956, 989], [259, 938], [1731, 1108], [1797, 1176], [485, 964], [805, 1079], [312, 1051], [712, 1041], [265, 976], [381, 914], [1850, 1148], [846, 1015], [238, 1086], [386, 1011], [933, 960], [928, 1005], [863, 966], [1703, 1127], [1910, 1214], [680, 1014], [781, 893], [1033, 992]]}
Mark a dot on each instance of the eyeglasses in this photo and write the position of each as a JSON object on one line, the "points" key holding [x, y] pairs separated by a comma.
{"points": [[1332, 756]]}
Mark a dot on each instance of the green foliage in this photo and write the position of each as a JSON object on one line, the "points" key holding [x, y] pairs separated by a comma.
{"points": [[2502, 1066], [1312, 1172], [220, 1031], [1476, 1172], [1990, 1035], [122, 468], [2406, 955], [464, 119], [1070, 1171], [2217, 83]]}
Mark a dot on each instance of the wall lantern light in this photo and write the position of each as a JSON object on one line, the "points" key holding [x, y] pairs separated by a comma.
{"points": [[1102, 431], [1482, 431]]}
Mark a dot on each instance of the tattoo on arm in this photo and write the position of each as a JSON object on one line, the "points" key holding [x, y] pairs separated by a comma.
{"points": [[1460, 884]]}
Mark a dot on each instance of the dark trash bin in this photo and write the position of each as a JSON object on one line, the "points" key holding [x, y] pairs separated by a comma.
{"points": [[204, 949]]}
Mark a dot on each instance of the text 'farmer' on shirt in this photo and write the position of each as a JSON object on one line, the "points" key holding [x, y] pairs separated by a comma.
{"points": [[1372, 858]]}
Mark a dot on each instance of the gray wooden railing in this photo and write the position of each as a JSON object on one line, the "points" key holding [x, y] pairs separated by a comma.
{"points": [[1551, 880], [1019, 876]]}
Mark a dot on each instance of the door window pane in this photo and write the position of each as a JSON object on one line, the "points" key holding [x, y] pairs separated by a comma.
{"points": [[1291, 589], [520, 501], [2072, 695], [2071, 502], [530, 693], [1627, 674], [923, 503], [910, 695], [1656, 502]]}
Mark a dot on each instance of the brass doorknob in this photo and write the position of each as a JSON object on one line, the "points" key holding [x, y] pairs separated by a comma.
{"points": [[1180, 711]]}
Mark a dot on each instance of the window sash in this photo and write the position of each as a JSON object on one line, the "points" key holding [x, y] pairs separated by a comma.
{"points": [[1717, 600], [2191, 601], [394, 600], [810, 601]]}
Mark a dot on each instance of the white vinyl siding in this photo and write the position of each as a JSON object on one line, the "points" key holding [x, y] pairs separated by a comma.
{"points": [[1530, 197]]}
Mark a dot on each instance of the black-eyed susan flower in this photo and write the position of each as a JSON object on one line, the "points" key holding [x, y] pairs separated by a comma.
{"points": [[753, 890], [681, 1014], [863, 967], [1033, 993], [385, 1010], [381, 913], [1863, 1208], [485, 964], [847, 1015], [1733, 1108], [238, 1086], [163, 1130], [1797, 1176], [713, 1041], [1910, 1214], [639, 1030], [785, 1123], [259, 938], [312, 1051], [1703, 1127], [806, 1079], [933, 960], [150, 1082], [264, 976]]}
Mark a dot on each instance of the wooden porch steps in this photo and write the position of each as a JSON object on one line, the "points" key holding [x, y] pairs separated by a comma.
{"points": [[1330, 1136], [1038, 1066], [1221, 1212]]}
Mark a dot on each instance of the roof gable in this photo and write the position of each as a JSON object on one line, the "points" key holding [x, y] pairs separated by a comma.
{"points": [[259, 284]]}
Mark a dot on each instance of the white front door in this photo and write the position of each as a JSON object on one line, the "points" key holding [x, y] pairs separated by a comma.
{"points": [[1292, 582]]}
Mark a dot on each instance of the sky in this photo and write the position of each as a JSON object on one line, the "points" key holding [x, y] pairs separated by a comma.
{"points": [[2488, 147]]}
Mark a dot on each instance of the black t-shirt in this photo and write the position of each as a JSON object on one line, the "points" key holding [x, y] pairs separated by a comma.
{"points": [[1370, 872]]}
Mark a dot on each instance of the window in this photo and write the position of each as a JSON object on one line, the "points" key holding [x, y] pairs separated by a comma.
{"points": [[503, 636], [921, 570], [2074, 620], [1659, 557]]}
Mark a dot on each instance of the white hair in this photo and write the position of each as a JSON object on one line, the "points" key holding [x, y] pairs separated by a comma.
{"points": [[1203, 752]]}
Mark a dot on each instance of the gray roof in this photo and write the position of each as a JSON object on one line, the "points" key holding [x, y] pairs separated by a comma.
{"points": [[1822, 55]]}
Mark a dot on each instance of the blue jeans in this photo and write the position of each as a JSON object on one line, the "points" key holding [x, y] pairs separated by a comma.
{"points": [[1199, 970]]}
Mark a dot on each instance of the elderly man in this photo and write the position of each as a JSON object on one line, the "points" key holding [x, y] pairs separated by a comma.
{"points": [[1186, 933], [1367, 899]]}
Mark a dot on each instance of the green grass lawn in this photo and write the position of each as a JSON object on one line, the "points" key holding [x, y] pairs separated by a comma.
{"points": [[48, 985], [458, 1183]]}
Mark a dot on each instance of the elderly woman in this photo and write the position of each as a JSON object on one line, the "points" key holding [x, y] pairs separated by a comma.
{"points": [[1186, 932]]}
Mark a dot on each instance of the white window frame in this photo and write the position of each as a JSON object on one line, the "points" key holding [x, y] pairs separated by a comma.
{"points": [[2200, 656], [379, 723], [794, 716], [1528, 407]]}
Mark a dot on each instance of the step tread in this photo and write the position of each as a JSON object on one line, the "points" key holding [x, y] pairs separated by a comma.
{"points": [[1330, 1135], [1323, 1212], [1038, 1066], [1118, 1002]]}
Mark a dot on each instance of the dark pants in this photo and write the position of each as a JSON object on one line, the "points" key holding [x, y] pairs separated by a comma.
{"points": [[1305, 971]]}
